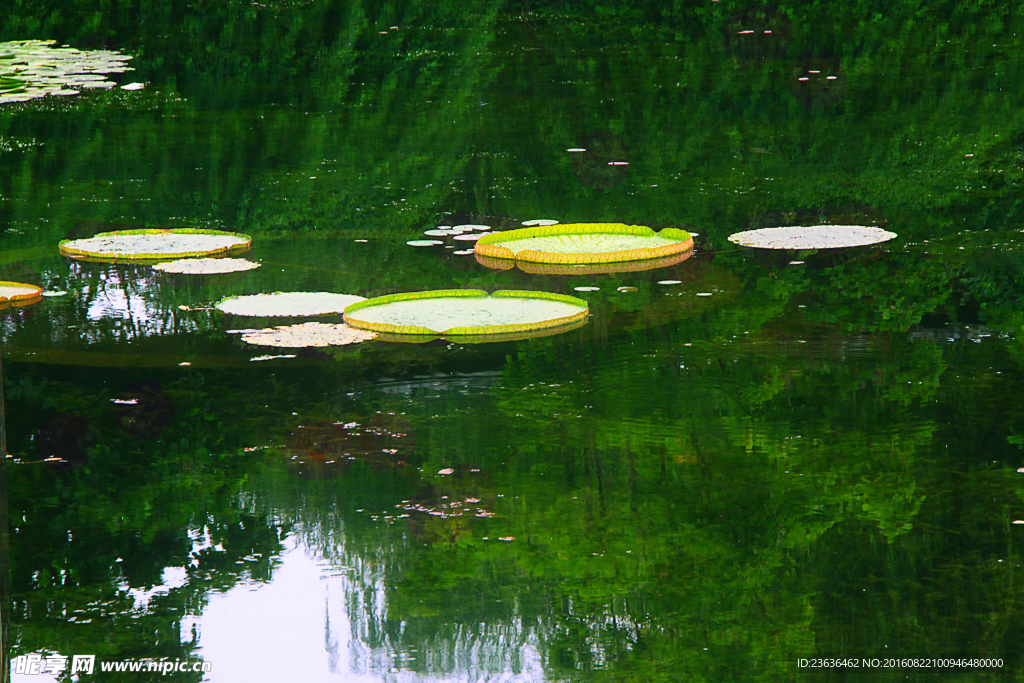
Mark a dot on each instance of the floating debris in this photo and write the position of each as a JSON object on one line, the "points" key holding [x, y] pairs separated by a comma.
{"points": [[287, 304], [308, 335], [283, 355], [812, 237], [154, 245], [466, 312], [206, 266], [626, 289], [585, 243]]}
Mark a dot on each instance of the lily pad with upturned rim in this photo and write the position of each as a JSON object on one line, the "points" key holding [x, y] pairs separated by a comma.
{"points": [[154, 244], [287, 304], [812, 237], [466, 312], [11, 292], [584, 243]]}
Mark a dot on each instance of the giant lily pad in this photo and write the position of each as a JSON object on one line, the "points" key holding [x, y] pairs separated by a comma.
{"points": [[584, 269], [155, 245], [584, 243], [287, 304], [466, 313], [30, 69], [206, 266], [11, 292], [812, 237], [307, 335]]}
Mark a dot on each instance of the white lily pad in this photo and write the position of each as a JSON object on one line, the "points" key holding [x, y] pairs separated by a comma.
{"points": [[424, 243], [470, 226], [540, 222], [440, 232], [812, 237], [466, 312], [133, 86], [308, 335], [206, 266], [287, 304], [463, 252], [151, 245], [471, 236], [587, 289]]}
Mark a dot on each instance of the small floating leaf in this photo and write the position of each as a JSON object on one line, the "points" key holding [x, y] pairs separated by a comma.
{"points": [[587, 289], [540, 222], [424, 243], [812, 237], [287, 304], [670, 282]]}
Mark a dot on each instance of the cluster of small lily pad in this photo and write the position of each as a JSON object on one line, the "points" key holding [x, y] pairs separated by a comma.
{"points": [[465, 233], [30, 69]]}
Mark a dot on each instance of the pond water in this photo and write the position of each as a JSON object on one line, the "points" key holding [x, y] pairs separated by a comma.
{"points": [[744, 459]]}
